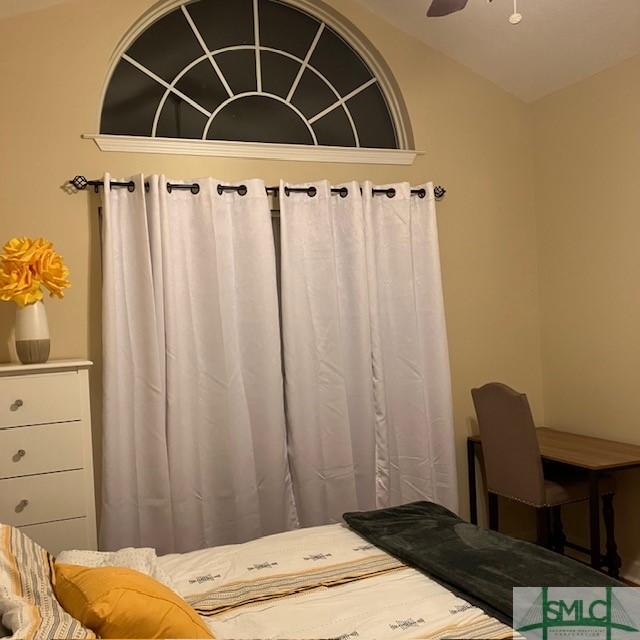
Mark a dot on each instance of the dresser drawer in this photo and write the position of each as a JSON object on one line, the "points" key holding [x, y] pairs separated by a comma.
{"points": [[41, 449], [35, 499], [63, 535], [39, 399]]}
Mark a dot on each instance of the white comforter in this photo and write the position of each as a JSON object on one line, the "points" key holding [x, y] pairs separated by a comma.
{"points": [[400, 603]]}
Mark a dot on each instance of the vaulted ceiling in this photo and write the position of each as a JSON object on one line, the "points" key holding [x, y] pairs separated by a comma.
{"points": [[557, 43]]}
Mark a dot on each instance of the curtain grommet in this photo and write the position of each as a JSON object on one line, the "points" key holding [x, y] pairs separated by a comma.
{"points": [[241, 189], [131, 187], [390, 192]]}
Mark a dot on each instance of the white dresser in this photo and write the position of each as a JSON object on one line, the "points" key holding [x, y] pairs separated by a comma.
{"points": [[46, 460]]}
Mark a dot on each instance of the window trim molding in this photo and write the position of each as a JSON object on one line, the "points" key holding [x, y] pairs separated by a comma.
{"points": [[343, 27], [254, 150]]}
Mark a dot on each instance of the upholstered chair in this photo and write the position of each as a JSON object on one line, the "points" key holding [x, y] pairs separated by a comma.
{"points": [[513, 467]]}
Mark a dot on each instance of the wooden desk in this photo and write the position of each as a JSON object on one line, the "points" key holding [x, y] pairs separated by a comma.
{"points": [[593, 455]]}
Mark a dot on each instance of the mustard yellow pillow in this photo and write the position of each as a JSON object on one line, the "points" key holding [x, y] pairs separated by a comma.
{"points": [[122, 603]]}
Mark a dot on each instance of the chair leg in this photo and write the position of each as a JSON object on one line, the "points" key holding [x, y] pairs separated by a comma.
{"points": [[543, 521], [613, 559], [494, 516], [558, 536]]}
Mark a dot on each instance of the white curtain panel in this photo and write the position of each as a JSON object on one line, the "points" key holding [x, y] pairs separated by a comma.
{"points": [[136, 496], [194, 429], [327, 353], [368, 389], [411, 376]]}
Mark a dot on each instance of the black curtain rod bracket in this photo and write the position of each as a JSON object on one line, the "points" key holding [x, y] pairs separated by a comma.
{"points": [[81, 184]]}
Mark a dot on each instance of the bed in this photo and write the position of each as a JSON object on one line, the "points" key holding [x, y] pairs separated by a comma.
{"points": [[415, 571]]}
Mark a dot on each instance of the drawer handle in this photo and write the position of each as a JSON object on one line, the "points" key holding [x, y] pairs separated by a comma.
{"points": [[20, 453], [16, 405], [21, 506]]}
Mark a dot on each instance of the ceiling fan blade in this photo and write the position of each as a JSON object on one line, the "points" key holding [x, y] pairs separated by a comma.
{"points": [[440, 8]]}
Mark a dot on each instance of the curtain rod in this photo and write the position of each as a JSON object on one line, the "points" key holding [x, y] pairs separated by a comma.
{"points": [[81, 184]]}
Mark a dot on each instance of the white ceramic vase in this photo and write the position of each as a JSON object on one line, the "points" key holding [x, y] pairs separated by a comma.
{"points": [[32, 334]]}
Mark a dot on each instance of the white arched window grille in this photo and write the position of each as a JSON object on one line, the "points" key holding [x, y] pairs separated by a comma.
{"points": [[253, 78]]}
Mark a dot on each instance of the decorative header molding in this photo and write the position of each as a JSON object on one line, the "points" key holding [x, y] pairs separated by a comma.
{"points": [[256, 150]]}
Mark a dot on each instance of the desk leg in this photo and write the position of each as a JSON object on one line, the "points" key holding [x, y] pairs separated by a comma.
{"points": [[594, 519], [471, 467], [613, 559]]}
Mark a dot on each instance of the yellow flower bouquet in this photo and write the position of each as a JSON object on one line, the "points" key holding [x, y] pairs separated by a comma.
{"points": [[26, 266]]}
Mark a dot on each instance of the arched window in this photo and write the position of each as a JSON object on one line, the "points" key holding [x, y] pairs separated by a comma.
{"points": [[254, 71]]}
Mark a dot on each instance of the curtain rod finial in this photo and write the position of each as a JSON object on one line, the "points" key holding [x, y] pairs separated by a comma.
{"points": [[80, 183]]}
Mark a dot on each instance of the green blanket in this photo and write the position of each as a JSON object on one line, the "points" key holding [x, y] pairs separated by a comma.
{"points": [[479, 565]]}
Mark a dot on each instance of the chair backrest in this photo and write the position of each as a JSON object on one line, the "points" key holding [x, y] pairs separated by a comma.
{"points": [[509, 443]]}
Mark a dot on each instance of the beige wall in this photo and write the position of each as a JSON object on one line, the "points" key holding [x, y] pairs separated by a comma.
{"points": [[52, 68], [587, 155]]}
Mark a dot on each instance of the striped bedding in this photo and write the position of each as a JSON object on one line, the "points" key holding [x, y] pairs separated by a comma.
{"points": [[322, 582], [238, 594], [28, 606]]}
